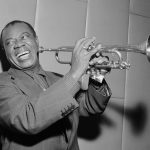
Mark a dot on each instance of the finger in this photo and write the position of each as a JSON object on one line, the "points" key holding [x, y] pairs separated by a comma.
{"points": [[94, 60], [88, 44], [93, 51], [84, 44], [79, 44]]}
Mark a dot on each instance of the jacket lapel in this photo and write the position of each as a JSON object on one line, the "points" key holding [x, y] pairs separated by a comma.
{"points": [[18, 83]]}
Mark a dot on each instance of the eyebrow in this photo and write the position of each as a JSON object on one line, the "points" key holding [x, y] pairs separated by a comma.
{"points": [[25, 32]]}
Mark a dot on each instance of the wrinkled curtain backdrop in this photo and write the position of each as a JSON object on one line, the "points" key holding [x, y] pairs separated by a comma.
{"points": [[125, 125]]}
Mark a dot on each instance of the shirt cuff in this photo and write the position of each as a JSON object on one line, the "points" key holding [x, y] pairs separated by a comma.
{"points": [[72, 85]]}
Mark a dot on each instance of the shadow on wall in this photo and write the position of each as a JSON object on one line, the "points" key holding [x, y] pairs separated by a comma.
{"points": [[4, 62], [90, 127], [137, 116]]}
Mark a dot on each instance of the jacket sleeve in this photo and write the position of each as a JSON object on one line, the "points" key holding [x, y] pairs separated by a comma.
{"points": [[95, 99], [32, 114]]}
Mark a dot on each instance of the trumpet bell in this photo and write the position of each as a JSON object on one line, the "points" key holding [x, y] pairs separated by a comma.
{"points": [[148, 48]]}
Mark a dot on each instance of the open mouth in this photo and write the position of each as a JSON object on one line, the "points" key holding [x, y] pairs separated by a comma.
{"points": [[23, 55]]}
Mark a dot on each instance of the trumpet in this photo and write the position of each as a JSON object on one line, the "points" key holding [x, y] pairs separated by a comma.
{"points": [[143, 48]]}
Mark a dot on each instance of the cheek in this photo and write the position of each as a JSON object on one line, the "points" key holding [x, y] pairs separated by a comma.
{"points": [[11, 56], [8, 53]]}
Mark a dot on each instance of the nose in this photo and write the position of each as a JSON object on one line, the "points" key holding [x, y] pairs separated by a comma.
{"points": [[18, 44]]}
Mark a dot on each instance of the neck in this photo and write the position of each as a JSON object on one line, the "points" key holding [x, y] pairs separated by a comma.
{"points": [[35, 67]]}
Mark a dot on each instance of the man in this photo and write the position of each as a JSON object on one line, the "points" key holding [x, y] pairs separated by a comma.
{"points": [[40, 110]]}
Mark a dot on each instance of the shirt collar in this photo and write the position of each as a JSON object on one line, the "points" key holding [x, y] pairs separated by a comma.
{"points": [[18, 72]]}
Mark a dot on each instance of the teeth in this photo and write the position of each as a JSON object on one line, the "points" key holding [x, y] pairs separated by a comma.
{"points": [[24, 53]]}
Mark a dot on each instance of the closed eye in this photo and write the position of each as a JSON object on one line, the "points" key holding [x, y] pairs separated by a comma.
{"points": [[9, 42], [25, 36]]}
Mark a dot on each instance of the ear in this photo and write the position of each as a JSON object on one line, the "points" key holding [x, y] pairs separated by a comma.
{"points": [[38, 46], [37, 40]]}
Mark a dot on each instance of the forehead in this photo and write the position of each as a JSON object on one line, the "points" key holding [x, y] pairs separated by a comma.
{"points": [[15, 30]]}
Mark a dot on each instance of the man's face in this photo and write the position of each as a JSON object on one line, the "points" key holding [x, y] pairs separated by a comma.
{"points": [[20, 45]]}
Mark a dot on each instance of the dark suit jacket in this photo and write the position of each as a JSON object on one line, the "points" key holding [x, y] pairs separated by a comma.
{"points": [[33, 119]]}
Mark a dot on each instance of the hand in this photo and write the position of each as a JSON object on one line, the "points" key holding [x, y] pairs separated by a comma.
{"points": [[81, 57]]}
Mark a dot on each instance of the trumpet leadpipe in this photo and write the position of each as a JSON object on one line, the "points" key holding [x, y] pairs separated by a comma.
{"points": [[59, 49]]}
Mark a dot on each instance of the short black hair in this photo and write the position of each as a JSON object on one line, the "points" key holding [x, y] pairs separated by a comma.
{"points": [[13, 23]]}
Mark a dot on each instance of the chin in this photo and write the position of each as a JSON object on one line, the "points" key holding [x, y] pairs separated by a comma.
{"points": [[24, 65], [29, 65]]}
